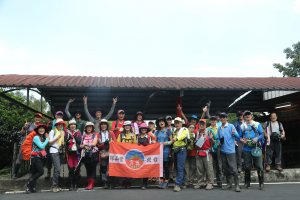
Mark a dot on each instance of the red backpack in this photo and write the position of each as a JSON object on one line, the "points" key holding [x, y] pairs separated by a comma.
{"points": [[26, 146]]}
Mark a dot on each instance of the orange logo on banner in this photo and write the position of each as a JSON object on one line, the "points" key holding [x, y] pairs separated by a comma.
{"points": [[135, 161]]}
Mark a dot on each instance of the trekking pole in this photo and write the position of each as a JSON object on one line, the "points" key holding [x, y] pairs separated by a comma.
{"points": [[81, 156]]}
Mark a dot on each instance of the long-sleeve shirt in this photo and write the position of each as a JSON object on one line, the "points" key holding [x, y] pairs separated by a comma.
{"points": [[97, 121], [250, 131], [38, 145], [214, 131], [227, 133]]}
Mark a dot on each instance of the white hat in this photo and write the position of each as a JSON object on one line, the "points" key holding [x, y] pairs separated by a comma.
{"points": [[178, 119], [72, 121], [89, 124], [127, 123], [59, 121], [103, 121]]}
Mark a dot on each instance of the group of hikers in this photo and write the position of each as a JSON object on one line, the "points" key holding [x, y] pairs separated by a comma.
{"points": [[195, 152]]}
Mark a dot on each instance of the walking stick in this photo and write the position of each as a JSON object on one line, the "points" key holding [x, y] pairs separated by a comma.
{"points": [[81, 156]]}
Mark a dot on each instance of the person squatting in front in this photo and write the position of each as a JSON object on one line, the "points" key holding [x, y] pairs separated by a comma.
{"points": [[105, 137], [227, 134], [73, 140], [252, 138], [145, 138], [180, 152], [204, 163], [89, 153], [38, 153]]}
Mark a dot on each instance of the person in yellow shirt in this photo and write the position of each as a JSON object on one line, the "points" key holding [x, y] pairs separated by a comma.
{"points": [[127, 135], [180, 137]]}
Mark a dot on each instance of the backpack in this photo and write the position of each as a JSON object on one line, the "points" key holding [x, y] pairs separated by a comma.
{"points": [[26, 146]]}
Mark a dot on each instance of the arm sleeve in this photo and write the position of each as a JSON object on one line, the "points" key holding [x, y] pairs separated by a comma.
{"points": [[39, 144], [67, 111], [111, 112], [260, 132], [87, 113], [236, 134]]}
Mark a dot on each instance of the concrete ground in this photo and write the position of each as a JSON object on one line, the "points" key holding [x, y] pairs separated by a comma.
{"points": [[274, 192]]}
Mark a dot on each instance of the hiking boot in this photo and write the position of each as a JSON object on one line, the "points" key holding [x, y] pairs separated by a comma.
{"points": [[237, 184], [247, 179], [279, 168], [260, 175], [209, 186], [177, 188], [229, 183], [268, 168]]}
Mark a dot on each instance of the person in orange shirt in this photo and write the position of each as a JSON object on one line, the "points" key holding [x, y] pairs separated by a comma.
{"points": [[117, 126]]}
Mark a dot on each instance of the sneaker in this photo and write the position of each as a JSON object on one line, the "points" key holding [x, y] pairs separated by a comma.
{"points": [[279, 168], [268, 168], [55, 189], [176, 188], [143, 188], [209, 186], [197, 186], [161, 184], [27, 189], [165, 185]]}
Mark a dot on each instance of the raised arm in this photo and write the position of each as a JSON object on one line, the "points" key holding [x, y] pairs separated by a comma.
{"points": [[112, 109], [86, 110], [67, 108]]}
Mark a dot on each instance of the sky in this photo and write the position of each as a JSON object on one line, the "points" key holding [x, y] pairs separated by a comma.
{"points": [[162, 38]]}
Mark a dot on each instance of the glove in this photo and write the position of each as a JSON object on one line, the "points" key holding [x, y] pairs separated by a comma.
{"points": [[254, 140]]}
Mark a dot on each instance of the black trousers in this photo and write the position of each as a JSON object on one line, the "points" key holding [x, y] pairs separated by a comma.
{"points": [[229, 164], [36, 169], [275, 148]]}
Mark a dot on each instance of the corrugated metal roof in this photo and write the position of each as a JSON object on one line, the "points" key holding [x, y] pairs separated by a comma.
{"points": [[270, 83], [274, 94]]}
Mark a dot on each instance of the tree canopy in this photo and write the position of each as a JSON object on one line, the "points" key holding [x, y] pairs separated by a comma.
{"points": [[291, 68]]}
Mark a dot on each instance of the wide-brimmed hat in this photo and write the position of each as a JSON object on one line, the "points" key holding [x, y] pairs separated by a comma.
{"points": [[72, 121], [39, 126], [168, 117], [143, 126], [89, 124], [60, 121], [104, 121]]}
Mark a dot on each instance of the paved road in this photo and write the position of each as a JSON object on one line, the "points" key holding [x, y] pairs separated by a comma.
{"points": [[273, 192]]}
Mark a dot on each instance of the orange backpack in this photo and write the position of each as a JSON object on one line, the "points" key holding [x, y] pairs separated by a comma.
{"points": [[26, 146]]}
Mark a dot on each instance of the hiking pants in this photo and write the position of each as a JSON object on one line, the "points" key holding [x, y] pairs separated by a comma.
{"points": [[249, 160], [217, 165], [56, 163], [36, 170], [180, 163], [205, 168], [229, 164], [275, 147], [190, 169], [239, 152]]}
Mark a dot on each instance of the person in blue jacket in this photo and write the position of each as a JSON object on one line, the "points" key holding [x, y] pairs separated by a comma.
{"points": [[37, 155], [164, 135], [227, 135], [252, 137]]}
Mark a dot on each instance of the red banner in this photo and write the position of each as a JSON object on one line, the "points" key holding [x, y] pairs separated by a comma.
{"points": [[135, 161]]}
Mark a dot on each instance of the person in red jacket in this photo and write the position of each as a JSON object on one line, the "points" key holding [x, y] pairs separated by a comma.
{"points": [[204, 162], [117, 126]]}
